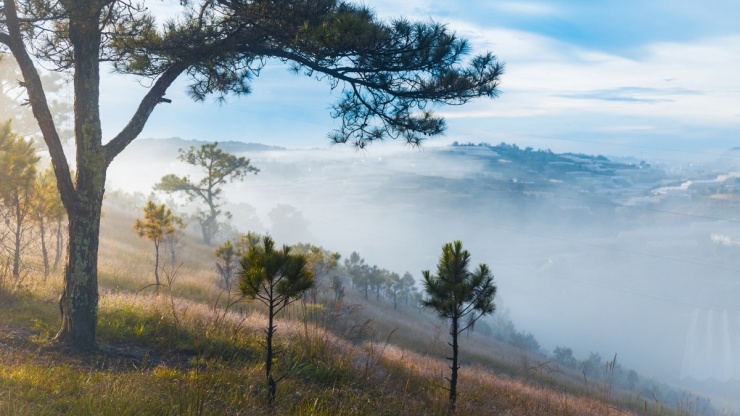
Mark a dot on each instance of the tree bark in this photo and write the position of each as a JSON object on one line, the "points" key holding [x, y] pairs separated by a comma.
{"points": [[156, 265], [453, 377], [59, 243], [79, 300], [44, 250], [207, 227], [271, 384], [18, 234]]}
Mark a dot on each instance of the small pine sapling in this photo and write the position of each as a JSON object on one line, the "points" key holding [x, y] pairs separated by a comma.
{"points": [[460, 296], [158, 223], [276, 278]]}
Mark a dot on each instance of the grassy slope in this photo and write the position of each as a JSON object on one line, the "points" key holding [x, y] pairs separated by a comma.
{"points": [[178, 354]]}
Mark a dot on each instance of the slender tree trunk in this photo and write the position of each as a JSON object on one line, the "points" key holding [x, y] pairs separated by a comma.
{"points": [[271, 384], [454, 367], [228, 276], [59, 243], [44, 250], [156, 265], [17, 239], [171, 244]]}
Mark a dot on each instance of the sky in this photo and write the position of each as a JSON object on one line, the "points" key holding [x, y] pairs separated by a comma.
{"points": [[624, 78]]}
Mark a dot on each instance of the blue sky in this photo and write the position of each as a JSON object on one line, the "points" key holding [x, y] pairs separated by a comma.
{"points": [[642, 78]]}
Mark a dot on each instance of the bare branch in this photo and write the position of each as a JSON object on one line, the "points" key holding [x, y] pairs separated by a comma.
{"points": [[141, 116]]}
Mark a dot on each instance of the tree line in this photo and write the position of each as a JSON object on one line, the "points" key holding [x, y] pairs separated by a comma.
{"points": [[31, 213]]}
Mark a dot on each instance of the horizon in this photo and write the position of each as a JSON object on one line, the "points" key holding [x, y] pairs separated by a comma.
{"points": [[640, 79]]}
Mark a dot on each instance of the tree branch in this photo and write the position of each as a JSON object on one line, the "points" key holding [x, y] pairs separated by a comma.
{"points": [[39, 105], [141, 116]]}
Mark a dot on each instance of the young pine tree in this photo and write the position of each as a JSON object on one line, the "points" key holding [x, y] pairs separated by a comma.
{"points": [[158, 223], [276, 278], [227, 260], [18, 162], [459, 296]]}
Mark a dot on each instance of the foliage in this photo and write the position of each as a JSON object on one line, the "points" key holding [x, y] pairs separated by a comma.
{"points": [[337, 286], [393, 287], [358, 272], [377, 279], [228, 256], [220, 168], [158, 223], [49, 216], [407, 288], [227, 260], [455, 294], [321, 262], [14, 100], [391, 73], [18, 162], [276, 278], [564, 356]]}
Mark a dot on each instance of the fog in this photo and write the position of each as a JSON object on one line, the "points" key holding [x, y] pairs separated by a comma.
{"points": [[615, 257]]}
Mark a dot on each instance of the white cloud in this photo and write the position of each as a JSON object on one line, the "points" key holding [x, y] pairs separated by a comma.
{"points": [[525, 8], [694, 80]]}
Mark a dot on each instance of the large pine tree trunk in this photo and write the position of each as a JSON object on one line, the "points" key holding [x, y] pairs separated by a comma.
{"points": [[79, 301]]}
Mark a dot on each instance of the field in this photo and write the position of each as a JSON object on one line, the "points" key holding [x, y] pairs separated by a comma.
{"points": [[195, 349]]}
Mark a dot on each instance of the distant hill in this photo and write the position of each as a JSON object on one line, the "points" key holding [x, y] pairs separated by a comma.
{"points": [[730, 160], [168, 147]]}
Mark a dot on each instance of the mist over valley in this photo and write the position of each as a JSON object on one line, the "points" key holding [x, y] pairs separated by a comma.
{"points": [[605, 255]]}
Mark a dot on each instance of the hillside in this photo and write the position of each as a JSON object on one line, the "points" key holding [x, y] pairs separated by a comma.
{"points": [[605, 256], [183, 353]]}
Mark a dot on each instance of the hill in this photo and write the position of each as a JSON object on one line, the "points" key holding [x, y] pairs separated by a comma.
{"points": [[188, 352], [583, 248]]}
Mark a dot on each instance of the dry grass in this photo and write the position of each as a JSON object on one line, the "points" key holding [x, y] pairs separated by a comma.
{"points": [[182, 353]]}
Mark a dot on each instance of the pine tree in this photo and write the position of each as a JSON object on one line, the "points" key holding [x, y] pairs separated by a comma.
{"points": [[158, 223], [276, 278], [390, 75], [456, 295], [48, 212], [18, 162], [220, 168]]}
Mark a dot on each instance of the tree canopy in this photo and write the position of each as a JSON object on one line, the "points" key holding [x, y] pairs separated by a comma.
{"points": [[219, 168], [391, 75], [18, 165]]}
